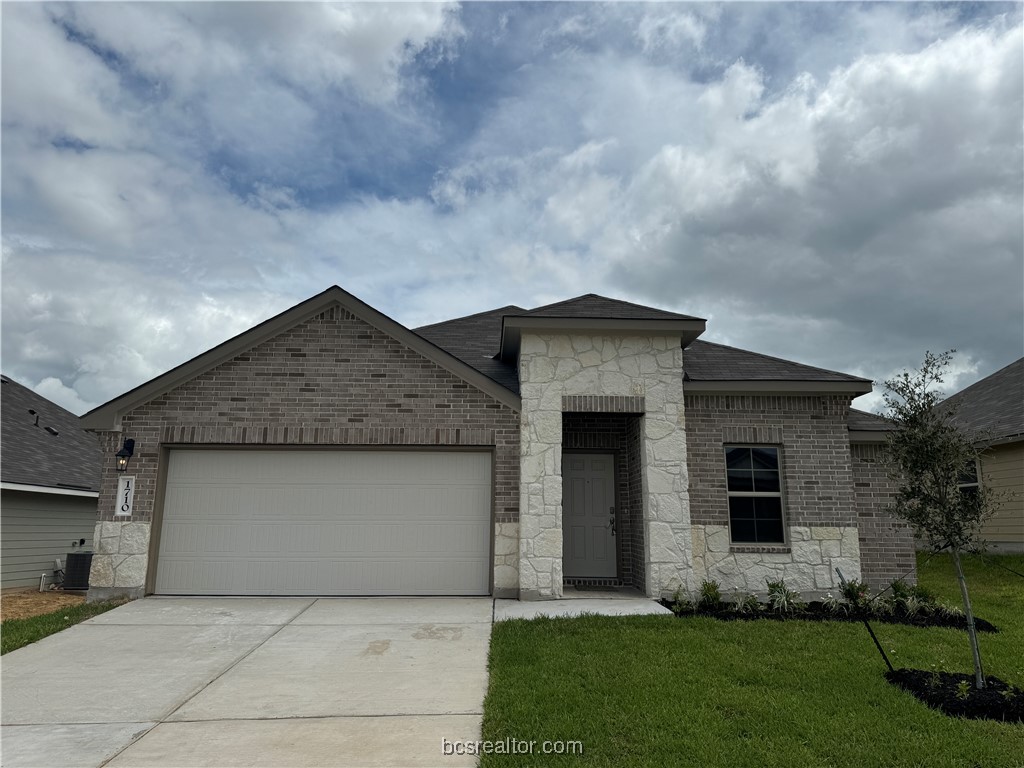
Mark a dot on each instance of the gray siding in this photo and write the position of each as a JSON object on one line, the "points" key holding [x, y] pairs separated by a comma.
{"points": [[35, 528]]}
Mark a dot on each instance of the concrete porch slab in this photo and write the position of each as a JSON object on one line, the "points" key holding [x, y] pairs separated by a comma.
{"points": [[365, 670], [577, 606], [336, 741]]}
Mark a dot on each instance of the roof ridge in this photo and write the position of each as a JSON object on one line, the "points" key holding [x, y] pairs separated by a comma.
{"points": [[781, 360], [467, 317], [680, 315], [565, 301]]}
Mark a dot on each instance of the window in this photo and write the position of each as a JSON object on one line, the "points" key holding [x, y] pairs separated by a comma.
{"points": [[968, 480], [755, 494]]}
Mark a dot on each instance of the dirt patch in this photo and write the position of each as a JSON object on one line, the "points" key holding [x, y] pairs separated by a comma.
{"points": [[25, 605]]}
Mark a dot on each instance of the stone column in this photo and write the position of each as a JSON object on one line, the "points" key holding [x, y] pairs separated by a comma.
{"points": [[553, 366], [540, 472]]}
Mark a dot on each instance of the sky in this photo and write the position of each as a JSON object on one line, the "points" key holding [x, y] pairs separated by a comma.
{"points": [[838, 184]]}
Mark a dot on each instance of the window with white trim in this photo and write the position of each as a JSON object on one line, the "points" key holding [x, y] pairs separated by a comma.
{"points": [[754, 485], [968, 481]]}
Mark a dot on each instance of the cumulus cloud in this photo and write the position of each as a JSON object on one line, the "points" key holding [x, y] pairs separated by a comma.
{"points": [[847, 194]]}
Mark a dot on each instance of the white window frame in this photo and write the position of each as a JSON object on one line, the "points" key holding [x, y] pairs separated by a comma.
{"points": [[977, 478]]}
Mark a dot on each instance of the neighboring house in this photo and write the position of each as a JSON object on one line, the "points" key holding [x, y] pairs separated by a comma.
{"points": [[993, 410], [49, 481], [332, 451]]}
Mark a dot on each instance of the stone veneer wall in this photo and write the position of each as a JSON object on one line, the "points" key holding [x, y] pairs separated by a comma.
{"points": [[332, 380], [817, 481], [559, 370], [612, 432], [886, 542]]}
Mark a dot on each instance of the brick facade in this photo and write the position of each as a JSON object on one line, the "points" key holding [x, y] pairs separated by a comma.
{"points": [[886, 543], [334, 380], [815, 453], [330, 381]]}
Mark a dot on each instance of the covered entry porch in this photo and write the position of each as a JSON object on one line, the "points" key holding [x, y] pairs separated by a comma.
{"points": [[602, 500]]}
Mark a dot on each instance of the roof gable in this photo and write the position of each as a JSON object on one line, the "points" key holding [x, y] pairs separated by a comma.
{"points": [[993, 406], [33, 454], [591, 313], [108, 415]]}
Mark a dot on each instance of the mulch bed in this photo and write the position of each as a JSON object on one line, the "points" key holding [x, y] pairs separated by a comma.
{"points": [[943, 691], [815, 611]]}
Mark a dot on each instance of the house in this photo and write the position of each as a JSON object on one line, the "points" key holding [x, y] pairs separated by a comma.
{"points": [[49, 484], [332, 451], [992, 409]]}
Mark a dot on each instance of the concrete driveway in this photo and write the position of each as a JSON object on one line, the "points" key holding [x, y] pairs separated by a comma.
{"points": [[253, 682]]}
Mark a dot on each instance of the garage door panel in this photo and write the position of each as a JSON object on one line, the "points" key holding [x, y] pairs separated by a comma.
{"points": [[326, 522]]}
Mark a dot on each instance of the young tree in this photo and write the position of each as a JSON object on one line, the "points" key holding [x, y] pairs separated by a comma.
{"points": [[928, 456]]}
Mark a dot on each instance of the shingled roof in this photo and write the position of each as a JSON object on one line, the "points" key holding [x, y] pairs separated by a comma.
{"points": [[994, 406], [862, 421], [55, 453], [474, 339], [592, 306], [707, 361]]}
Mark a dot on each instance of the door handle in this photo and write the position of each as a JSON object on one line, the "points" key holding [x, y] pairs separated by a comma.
{"points": [[611, 519]]}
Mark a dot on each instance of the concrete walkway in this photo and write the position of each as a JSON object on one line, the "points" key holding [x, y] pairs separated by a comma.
{"points": [[254, 682], [614, 602]]}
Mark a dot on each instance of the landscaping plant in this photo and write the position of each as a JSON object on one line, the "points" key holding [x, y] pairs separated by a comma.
{"points": [[927, 456], [781, 599]]}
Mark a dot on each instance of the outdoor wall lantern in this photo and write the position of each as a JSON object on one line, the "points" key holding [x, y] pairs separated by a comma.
{"points": [[125, 455]]}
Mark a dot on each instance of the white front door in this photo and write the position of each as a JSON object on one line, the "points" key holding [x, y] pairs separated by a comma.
{"points": [[588, 515]]}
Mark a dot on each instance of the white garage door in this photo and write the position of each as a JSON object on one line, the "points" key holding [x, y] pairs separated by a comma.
{"points": [[325, 523]]}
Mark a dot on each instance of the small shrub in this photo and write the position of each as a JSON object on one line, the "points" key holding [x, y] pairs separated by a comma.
{"points": [[913, 606], [710, 595], [923, 594], [856, 594], [748, 605], [884, 607], [781, 599], [833, 604], [950, 611], [900, 590], [681, 604], [963, 690]]}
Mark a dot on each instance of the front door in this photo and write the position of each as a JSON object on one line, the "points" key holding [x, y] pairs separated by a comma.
{"points": [[588, 515]]}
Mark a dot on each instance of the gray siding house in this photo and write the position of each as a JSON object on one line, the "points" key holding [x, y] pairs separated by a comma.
{"points": [[49, 484], [332, 451]]}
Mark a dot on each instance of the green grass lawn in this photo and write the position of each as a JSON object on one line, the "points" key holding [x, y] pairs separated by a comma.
{"points": [[659, 690], [17, 633]]}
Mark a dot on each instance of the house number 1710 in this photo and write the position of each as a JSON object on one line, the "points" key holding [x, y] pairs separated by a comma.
{"points": [[125, 496]]}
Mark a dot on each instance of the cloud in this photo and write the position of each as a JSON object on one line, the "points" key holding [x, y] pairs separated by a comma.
{"points": [[841, 187], [64, 396]]}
